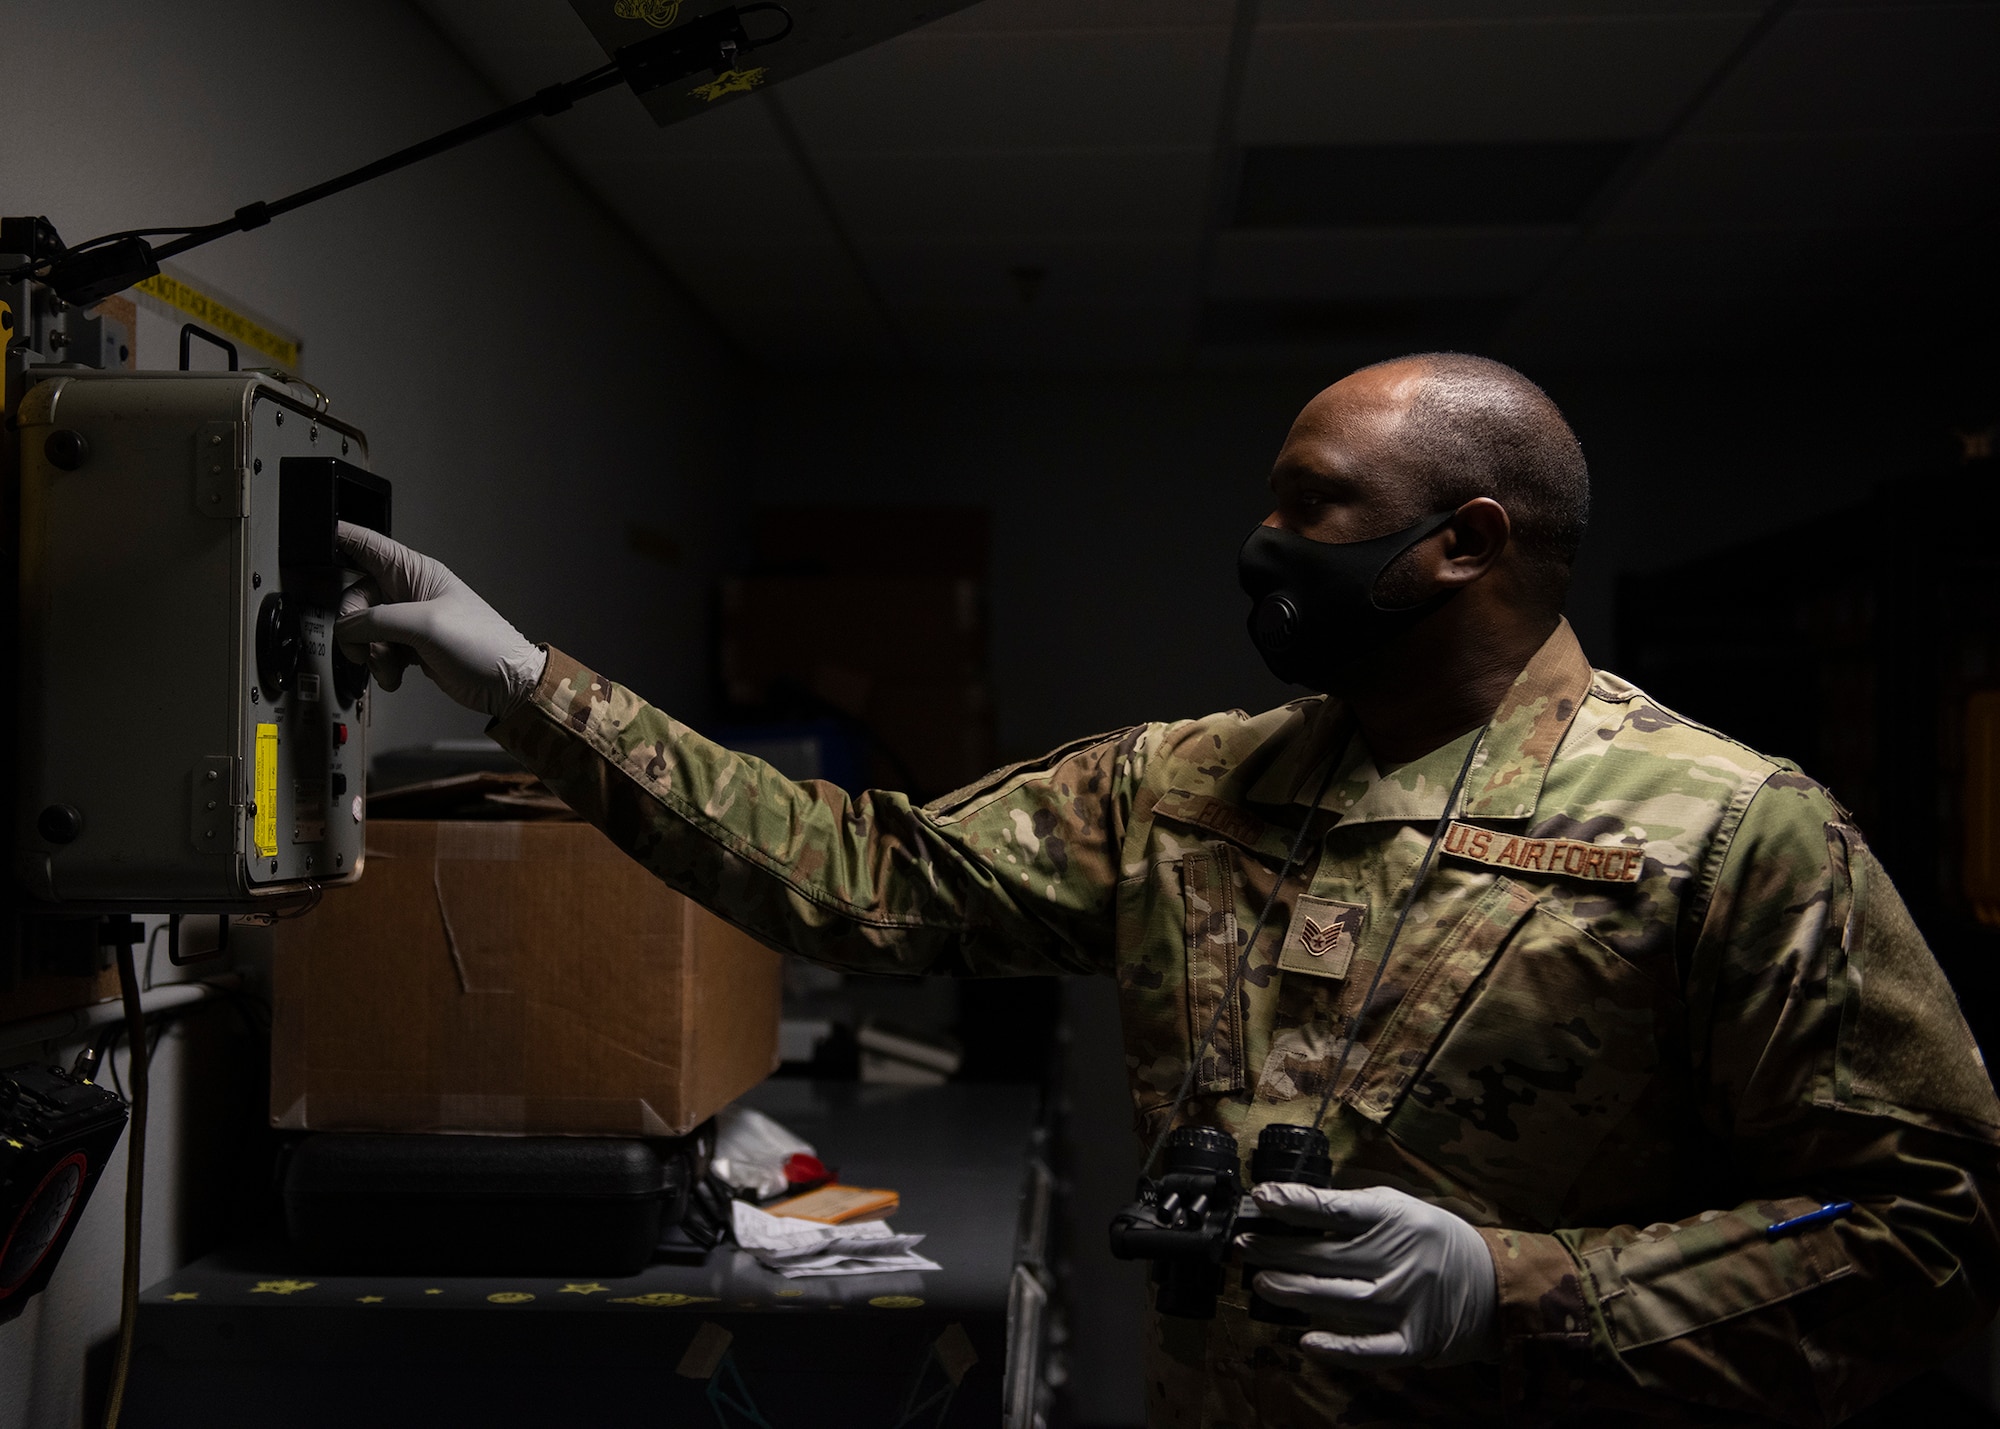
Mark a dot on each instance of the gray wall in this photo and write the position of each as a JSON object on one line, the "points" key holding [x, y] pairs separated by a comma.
{"points": [[531, 381], [1119, 504]]}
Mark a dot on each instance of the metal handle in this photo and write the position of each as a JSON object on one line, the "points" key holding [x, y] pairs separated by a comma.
{"points": [[189, 330]]}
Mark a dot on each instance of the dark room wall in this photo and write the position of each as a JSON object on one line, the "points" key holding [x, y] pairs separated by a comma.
{"points": [[1119, 504], [1118, 507]]}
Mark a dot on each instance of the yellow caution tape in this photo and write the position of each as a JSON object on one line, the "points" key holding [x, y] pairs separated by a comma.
{"points": [[218, 317]]}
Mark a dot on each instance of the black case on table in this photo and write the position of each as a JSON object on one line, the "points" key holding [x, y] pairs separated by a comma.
{"points": [[56, 1133], [410, 1203]]}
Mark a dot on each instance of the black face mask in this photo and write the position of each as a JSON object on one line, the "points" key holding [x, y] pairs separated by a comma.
{"points": [[1313, 611]]}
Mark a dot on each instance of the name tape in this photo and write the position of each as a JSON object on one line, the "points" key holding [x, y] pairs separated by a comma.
{"points": [[1602, 863]]}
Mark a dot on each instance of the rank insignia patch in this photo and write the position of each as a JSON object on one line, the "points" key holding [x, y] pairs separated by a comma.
{"points": [[1322, 936], [1600, 863]]}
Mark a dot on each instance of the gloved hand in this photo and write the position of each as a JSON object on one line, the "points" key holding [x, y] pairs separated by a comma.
{"points": [[1404, 1282], [412, 608]]}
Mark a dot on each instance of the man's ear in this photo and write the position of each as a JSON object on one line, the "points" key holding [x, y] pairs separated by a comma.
{"points": [[1478, 533]]}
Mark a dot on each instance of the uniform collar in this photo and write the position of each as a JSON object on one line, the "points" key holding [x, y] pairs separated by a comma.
{"points": [[1506, 777]]}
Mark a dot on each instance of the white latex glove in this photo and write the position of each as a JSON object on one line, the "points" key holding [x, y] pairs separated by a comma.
{"points": [[411, 608], [1406, 1282]]}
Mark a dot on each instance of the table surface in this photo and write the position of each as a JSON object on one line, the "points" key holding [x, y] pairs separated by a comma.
{"points": [[955, 1154]]}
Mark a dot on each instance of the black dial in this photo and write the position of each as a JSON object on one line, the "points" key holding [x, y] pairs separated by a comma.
{"points": [[349, 679], [279, 644]]}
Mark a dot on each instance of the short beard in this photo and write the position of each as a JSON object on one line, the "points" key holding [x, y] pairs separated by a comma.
{"points": [[1401, 584]]}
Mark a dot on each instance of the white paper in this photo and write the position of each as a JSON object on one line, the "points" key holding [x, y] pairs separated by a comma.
{"points": [[751, 1150], [860, 1267], [796, 1248]]}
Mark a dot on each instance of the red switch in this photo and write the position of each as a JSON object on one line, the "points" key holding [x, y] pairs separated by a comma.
{"points": [[339, 734]]}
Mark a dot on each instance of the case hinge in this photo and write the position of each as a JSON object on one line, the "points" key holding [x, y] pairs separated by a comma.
{"points": [[212, 805], [221, 485]]}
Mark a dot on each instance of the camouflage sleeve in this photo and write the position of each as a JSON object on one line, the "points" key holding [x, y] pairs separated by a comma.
{"points": [[1831, 1061], [1016, 874]]}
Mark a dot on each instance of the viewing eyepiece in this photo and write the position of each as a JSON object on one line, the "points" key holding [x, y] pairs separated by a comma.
{"points": [[1202, 1148], [1291, 1153], [1285, 1153]]}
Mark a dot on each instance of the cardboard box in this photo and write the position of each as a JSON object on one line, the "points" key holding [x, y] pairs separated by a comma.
{"points": [[524, 978]]}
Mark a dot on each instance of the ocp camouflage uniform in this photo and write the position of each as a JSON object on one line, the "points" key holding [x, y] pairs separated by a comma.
{"points": [[1655, 996]]}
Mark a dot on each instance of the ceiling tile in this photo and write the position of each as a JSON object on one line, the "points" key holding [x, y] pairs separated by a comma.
{"points": [[1736, 261], [1034, 272], [516, 43], [1906, 67], [934, 91], [993, 194], [1384, 262], [1400, 324], [1813, 181], [711, 200], [808, 341], [1071, 339], [773, 276], [1541, 80], [1478, 12], [1023, 16], [1349, 185]]}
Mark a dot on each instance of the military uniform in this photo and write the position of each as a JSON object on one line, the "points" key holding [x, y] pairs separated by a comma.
{"points": [[1655, 995]]}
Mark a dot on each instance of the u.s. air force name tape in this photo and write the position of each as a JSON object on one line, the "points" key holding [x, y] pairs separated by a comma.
{"points": [[1603, 863]]}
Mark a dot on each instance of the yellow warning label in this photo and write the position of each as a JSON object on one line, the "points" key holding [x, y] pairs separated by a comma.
{"points": [[264, 822], [220, 318]]}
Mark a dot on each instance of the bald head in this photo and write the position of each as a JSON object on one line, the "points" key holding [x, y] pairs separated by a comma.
{"points": [[1439, 429]]}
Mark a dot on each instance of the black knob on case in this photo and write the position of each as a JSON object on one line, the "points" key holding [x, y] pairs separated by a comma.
{"points": [[66, 450], [60, 823]]}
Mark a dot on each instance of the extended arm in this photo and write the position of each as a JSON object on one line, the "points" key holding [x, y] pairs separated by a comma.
{"points": [[1014, 875]]}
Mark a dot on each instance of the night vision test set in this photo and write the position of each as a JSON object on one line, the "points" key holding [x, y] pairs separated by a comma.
{"points": [[458, 1103]]}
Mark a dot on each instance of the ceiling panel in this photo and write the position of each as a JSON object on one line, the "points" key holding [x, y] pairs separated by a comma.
{"points": [[1384, 262], [1739, 262], [1905, 67], [1523, 80], [1034, 273], [809, 340], [1022, 16], [1480, 12], [1093, 89], [988, 193], [1350, 185], [689, 200], [1813, 181], [1066, 339], [1841, 170], [774, 277]]}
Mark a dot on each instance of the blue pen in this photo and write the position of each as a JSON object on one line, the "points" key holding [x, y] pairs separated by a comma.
{"points": [[1832, 1211]]}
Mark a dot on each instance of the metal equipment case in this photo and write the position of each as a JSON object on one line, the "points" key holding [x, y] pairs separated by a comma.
{"points": [[190, 735]]}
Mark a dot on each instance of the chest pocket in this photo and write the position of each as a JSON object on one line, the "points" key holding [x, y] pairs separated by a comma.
{"points": [[1546, 1049], [1214, 943]]}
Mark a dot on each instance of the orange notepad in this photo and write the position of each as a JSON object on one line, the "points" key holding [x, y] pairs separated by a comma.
{"points": [[832, 1205]]}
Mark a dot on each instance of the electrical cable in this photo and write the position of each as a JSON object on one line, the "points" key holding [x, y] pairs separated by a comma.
{"points": [[104, 238], [135, 1185], [715, 40]]}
